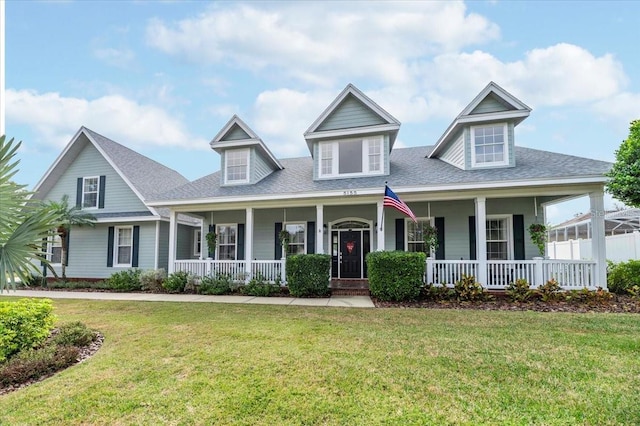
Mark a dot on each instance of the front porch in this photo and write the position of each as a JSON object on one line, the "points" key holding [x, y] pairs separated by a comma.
{"points": [[492, 274]]}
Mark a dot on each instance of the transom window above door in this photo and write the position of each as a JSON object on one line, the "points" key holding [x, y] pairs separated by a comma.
{"points": [[351, 157]]}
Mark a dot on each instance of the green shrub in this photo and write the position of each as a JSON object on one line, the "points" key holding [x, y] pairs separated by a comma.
{"points": [[550, 291], [589, 297], [437, 293], [519, 291], [32, 364], [395, 275], [622, 276], [127, 280], [177, 282], [24, 324], [308, 275], [35, 280], [74, 334], [634, 292], [152, 280], [101, 285], [259, 287], [221, 284], [468, 290]]}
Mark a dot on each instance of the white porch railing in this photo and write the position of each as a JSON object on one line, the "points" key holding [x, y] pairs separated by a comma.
{"points": [[570, 274], [267, 270]]}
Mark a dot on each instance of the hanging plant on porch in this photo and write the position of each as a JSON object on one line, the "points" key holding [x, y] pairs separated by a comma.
{"points": [[539, 236], [430, 238], [284, 237], [212, 239]]}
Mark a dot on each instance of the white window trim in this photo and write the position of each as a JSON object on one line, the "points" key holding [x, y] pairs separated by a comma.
{"points": [[505, 162], [50, 246], [116, 244], [197, 238], [509, 219], [247, 152], [304, 224], [431, 221], [84, 179], [218, 243], [335, 163]]}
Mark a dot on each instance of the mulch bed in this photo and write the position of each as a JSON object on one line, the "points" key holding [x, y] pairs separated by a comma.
{"points": [[618, 304]]}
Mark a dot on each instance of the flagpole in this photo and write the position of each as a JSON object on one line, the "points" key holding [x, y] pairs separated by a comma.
{"points": [[385, 191]]}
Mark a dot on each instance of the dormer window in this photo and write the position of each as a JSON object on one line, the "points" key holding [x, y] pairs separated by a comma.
{"points": [[489, 145], [351, 157], [236, 166]]}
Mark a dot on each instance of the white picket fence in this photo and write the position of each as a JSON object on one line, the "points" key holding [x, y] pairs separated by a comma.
{"points": [[619, 248]]}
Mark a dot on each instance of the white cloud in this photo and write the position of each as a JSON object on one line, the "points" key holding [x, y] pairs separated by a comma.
{"points": [[56, 119], [372, 40], [620, 109]]}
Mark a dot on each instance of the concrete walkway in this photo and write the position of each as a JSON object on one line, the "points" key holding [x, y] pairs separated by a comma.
{"points": [[336, 301]]}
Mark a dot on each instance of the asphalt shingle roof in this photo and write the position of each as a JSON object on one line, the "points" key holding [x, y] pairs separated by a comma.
{"points": [[409, 167]]}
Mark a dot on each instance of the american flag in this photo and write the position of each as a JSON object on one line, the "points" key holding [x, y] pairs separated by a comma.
{"points": [[392, 200]]}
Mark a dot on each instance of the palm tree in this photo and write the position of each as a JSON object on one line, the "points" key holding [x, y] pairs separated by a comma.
{"points": [[24, 224], [68, 217]]}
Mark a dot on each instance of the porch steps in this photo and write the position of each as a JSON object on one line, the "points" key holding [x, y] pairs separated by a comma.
{"points": [[345, 287]]}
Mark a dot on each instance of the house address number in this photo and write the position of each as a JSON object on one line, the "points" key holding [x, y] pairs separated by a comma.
{"points": [[350, 192]]}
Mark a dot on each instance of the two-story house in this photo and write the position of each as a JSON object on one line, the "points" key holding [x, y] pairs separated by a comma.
{"points": [[474, 184]]}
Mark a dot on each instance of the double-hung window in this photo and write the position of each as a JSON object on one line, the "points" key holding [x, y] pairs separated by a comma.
{"points": [[351, 157], [499, 238], [237, 166], [415, 235], [297, 238], [490, 145], [226, 247], [197, 242], [55, 249], [123, 246], [90, 189]]}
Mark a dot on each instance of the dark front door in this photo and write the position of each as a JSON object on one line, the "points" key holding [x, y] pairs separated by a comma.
{"points": [[351, 254]]}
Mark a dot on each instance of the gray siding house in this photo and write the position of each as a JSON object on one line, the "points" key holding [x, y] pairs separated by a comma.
{"points": [[113, 183], [478, 188]]}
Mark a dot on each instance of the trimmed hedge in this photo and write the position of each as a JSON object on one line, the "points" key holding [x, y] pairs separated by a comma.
{"points": [[395, 275], [623, 276], [308, 275], [127, 280], [24, 324]]}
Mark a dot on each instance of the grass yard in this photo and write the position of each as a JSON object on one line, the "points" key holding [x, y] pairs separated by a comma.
{"points": [[203, 364]]}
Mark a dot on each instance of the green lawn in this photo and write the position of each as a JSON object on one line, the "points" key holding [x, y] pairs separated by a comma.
{"points": [[200, 363]]}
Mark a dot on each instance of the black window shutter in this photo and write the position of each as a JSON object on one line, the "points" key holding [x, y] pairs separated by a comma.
{"points": [[66, 254], [472, 237], [45, 246], [276, 238], [518, 237], [240, 242], [79, 194], [101, 192], [439, 223], [136, 240], [203, 240], [110, 247], [311, 237], [400, 234]]}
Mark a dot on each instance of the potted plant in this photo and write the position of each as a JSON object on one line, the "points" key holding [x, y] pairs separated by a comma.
{"points": [[284, 237], [539, 236], [430, 238], [212, 239]]}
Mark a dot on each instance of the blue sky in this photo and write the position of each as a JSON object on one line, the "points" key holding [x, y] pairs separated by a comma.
{"points": [[163, 77]]}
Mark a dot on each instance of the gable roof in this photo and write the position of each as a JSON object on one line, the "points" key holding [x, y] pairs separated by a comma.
{"points": [[409, 169], [381, 120], [235, 134], [514, 110], [146, 177]]}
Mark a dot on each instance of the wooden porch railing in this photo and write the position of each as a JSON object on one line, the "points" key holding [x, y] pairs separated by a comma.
{"points": [[238, 270]]}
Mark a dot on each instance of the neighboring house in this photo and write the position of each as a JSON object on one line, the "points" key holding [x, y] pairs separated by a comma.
{"points": [[113, 183], [474, 184], [572, 239]]}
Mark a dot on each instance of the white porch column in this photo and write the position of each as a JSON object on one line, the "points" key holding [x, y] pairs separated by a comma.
{"points": [[320, 229], [481, 239], [248, 241], [173, 233], [598, 241], [204, 230], [380, 227]]}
